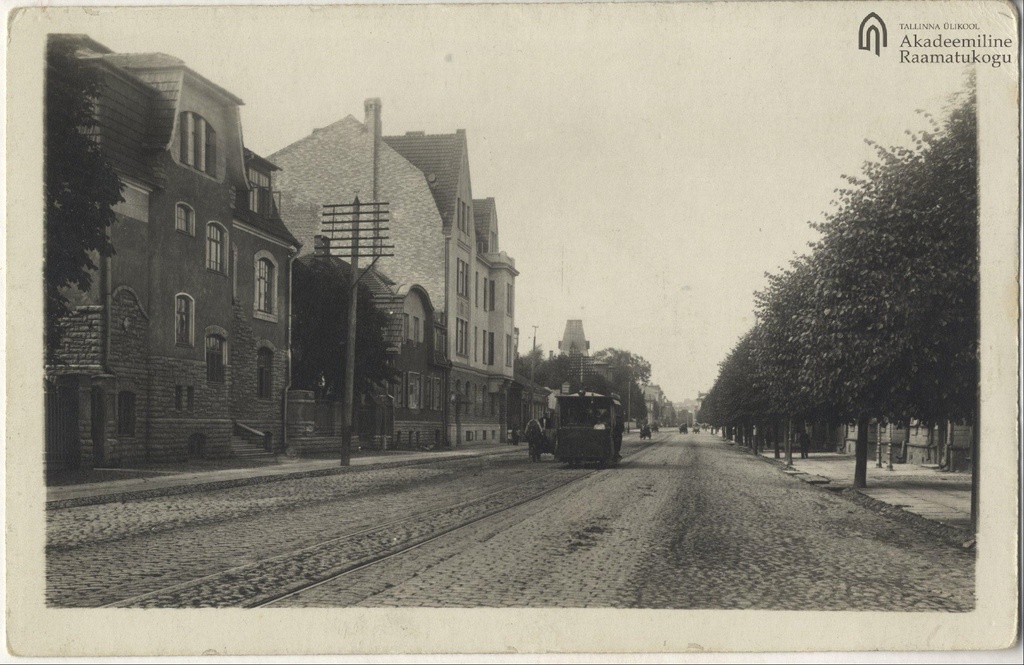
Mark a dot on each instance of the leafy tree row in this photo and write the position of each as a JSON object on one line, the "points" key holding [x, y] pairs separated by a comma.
{"points": [[881, 319]]}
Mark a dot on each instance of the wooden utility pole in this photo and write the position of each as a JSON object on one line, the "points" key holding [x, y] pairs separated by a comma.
{"points": [[343, 222]]}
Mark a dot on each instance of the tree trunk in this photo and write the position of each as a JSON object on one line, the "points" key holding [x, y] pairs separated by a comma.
{"points": [[789, 442], [775, 437], [943, 443], [975, 473], [878, 442], [860, 473]]}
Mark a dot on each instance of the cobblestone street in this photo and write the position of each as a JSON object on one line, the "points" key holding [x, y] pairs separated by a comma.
{"points": [[687, 522]]}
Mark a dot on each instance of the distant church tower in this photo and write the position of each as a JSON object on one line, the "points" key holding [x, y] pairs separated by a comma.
{"points": [[575, 345], [574, 341]]}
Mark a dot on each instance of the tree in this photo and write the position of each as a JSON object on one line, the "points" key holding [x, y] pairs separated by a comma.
{"points": [[319, 333], [880, 321], [527, 364], [81, 187], [629, 371]]}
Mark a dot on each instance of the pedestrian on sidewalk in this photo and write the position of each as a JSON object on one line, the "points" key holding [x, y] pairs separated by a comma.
{"points": [[805, 444]]}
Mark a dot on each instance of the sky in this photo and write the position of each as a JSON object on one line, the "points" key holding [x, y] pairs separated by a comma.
{"points": [[649, 163]]}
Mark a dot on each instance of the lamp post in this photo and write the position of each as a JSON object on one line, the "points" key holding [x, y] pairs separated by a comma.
{"points": [[454, 398]]}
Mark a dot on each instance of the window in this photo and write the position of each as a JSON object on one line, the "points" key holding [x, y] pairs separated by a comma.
{"points": [[485, 293], [190, 393], [266, 283], [490, 300], [198, 147], [405, 327], [428, 393], [461, 337], [215, 247], [490, 348], [440, 345], [417, 331], [126, 413], [476, 289], [259, 191], [264, 365], [183, 309], [462, 213], [215, 358], [184, 219], [509, 299], [437, 393], [475, 343], [508, 350], [414, 391], [179, 398], [462, 278]]}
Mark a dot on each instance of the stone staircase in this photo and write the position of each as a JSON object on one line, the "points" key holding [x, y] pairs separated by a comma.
{"points": [[247, 445]]}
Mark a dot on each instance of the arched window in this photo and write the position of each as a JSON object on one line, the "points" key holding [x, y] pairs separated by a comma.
{"points": [[184, 308], [198, 143], [264, 373], [184, 219], [265, 286], [216, 358], [216, 247]]}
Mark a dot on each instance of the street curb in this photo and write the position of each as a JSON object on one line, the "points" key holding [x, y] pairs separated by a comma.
{"points": [[175, 490], [952, 535]]}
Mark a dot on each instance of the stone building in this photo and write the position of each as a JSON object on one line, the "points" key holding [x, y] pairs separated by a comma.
{"points": [[179, 349], [444, 241]]}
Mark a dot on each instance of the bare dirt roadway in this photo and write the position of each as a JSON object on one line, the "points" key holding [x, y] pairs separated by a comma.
{"points": [[685, 522]]}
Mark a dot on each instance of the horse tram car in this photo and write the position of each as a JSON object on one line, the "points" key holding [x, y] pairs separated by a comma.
{"points": [[590, 427]]}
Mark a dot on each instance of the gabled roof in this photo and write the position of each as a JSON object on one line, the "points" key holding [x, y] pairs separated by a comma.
{"points": [[439, 157], [483, 214], [165, 74]]}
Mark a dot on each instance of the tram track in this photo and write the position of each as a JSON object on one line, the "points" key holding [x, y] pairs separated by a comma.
{"points": [[384, 557], [265, 582]]}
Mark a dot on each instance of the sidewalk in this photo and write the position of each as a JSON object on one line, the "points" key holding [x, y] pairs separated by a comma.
{"points": [[196, 481], [939, 496]]}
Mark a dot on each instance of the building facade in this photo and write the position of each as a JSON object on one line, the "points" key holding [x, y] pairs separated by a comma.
{"points": [[479, 291], [180, 348]]}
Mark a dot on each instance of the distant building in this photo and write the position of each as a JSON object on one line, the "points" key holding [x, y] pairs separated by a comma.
{"points": [[653, 398], [574, 341], [575, 345]]}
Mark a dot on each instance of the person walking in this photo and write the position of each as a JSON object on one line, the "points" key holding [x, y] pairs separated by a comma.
{"points": [[805, 444]]}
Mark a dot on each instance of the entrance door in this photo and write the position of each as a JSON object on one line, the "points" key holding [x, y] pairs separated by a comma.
{"points": [[98, 427]]}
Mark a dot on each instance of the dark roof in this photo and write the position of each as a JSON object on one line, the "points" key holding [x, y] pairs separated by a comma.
{"points": [[124, 112], [379, 284], [83, 43], [166, 84], [439, 157], [261, 162], [271, 223], [525, 381], [483, 210]]}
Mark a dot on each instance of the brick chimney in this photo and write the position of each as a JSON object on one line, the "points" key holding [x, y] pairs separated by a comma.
{"points": [[321, 245], [372, 122]]}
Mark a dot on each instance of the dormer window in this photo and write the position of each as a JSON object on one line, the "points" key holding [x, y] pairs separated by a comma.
{"points": [[259, 191], [198, 143]]}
